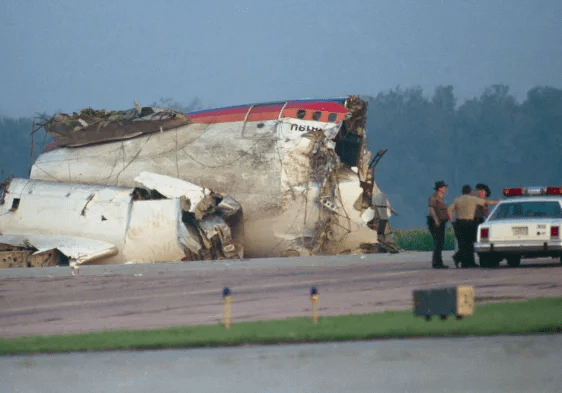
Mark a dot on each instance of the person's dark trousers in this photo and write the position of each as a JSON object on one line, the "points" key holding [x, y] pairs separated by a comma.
{"points": [[464, 231], [456, 257], [438, 234]]}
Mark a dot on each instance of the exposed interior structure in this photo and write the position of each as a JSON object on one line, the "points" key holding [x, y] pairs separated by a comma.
{"points": [[300, 169]]}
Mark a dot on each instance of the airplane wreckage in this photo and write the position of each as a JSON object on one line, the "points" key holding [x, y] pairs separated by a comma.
{"points": [[145, 185]]}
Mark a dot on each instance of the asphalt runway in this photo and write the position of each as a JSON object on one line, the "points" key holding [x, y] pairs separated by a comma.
{"points": [[53, 301], [44, 301]]}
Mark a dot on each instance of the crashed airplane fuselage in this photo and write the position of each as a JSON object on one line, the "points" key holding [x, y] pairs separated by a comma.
{"points": [[299, 169], [162, 219]]}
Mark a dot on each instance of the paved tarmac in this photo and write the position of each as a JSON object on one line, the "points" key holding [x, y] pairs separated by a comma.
{"points": [[483, 364], [194, 266], [45, 301], [51, 299]]}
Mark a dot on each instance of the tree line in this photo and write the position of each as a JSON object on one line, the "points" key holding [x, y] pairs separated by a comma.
{"points": [[490, 139]]}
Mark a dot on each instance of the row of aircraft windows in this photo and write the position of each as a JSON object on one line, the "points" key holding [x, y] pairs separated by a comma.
{"points": [[316, 115]]}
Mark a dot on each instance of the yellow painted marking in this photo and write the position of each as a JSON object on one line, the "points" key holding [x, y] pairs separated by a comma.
{"points": [[227, 317]]}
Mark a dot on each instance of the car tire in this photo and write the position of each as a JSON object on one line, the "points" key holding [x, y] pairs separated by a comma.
{"points": [[489, 261], [484, 260], [495, 262], [514, 261]]}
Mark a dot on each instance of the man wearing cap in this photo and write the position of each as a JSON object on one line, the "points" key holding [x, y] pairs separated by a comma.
{"points": [[436, 220]]}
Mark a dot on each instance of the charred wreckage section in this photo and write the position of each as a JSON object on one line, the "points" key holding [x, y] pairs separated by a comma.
{"points": [[300, 171]]}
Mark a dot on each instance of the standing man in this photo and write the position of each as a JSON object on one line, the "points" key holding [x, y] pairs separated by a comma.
{"points": [[436, 220], [464, 229], [464, 208], [481, 191]]}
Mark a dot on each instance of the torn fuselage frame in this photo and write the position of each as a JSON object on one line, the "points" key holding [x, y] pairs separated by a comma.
{"points": [[108, 224], [341, 185]]}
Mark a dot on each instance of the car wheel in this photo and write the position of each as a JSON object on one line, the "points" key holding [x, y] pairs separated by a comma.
{"points": [[494, 262], [514, 261], [488, 260], [484, 260]]}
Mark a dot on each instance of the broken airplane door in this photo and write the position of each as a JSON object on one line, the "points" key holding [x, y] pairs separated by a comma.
{"points": [[300, 169], [109, 224]]}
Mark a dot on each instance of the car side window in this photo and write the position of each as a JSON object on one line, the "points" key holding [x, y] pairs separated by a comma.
{"points": [[557, 211]]}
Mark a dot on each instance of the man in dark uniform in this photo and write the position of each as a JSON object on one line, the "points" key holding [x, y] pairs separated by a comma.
{"points": [[436, 221]]}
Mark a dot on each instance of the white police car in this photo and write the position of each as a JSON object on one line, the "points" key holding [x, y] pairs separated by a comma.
{"points": [[524, 225]]}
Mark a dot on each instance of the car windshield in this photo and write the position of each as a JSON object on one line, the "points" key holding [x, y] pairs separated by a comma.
{"points": [[527, 210]]}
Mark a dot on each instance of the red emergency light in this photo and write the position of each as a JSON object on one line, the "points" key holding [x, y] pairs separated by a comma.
{"points": [[515, 191], [554, 190], [531, 191]]}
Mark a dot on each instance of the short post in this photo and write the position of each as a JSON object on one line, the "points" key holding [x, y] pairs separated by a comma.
{"points": [[314, 301], [227, 300]]}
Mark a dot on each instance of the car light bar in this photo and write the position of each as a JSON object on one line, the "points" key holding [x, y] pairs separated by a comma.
{"points": [[531, 191], [554, 190], [509, 192]]}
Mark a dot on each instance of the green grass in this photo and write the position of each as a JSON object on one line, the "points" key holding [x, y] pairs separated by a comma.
{"points": [[421, 240], [532, 316]]}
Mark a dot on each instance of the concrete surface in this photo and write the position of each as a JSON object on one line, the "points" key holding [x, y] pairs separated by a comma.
{"points": [[43, 301], [484, 364]]}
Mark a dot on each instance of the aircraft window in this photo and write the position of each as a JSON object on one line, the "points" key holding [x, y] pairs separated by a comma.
{"points": [[301, 113], [15, 204], [332, 117], [316, 115]]}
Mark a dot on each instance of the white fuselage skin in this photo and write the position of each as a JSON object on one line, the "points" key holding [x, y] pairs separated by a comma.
{"points": [[268, 167]]}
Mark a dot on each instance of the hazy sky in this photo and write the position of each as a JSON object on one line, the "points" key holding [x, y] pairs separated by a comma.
{"points": [[66, 55]]}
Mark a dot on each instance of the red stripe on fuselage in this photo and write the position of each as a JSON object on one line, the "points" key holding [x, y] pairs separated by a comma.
{"points": [[263, 112]]}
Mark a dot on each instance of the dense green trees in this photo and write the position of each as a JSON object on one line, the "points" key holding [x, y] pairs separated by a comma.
{"points": [[492, 139]]}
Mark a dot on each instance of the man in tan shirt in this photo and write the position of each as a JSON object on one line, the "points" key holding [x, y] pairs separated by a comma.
{"points": [[436, 221], [464, 224]]}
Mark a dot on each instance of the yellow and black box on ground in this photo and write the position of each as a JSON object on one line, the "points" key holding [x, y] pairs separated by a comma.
{"points": [[442, 302]]}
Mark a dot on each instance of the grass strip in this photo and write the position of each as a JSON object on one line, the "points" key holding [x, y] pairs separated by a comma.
{"points": [[421, 239], [532, 316]]}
